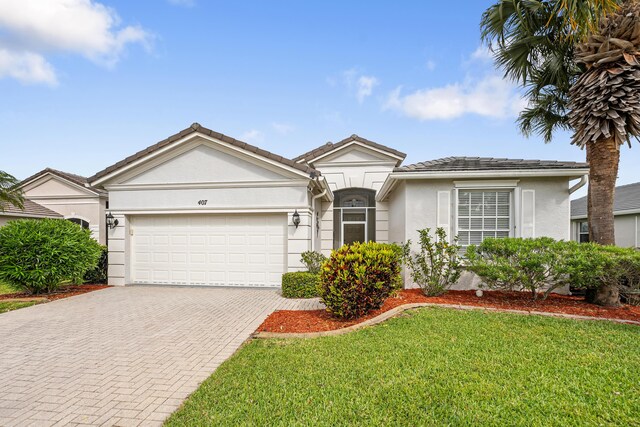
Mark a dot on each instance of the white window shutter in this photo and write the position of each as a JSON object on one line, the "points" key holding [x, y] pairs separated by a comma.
{"points": [[528, 228], [443, 219]]}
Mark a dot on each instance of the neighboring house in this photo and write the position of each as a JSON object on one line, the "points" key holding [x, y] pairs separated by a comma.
{"points": [[626, 209], [70, 196], [30, 210], [201, 208]]}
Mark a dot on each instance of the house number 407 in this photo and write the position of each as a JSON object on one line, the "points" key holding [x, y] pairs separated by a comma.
{"points": [[202, 202]]}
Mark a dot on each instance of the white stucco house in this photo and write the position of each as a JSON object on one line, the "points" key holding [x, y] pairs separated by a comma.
{"points": [[201, 208], [626, 210], [71, 197]]}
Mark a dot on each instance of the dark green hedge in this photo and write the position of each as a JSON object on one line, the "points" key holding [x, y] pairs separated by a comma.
{"points": [[299, 284]]}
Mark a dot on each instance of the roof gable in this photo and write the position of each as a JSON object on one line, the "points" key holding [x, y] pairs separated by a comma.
{"points": [[201, 161], [182, 136], [71, 180], [330, 148]]}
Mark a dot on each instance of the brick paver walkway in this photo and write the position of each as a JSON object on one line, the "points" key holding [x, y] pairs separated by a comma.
{"points": [[122, 356]]}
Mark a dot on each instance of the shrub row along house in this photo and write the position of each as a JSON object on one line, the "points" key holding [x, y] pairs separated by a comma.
{"points": [[201, 208]]}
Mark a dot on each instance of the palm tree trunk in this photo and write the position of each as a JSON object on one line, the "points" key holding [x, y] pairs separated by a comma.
{"points": [[603, 157]]}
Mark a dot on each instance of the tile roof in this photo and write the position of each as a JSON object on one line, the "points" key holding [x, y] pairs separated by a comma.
{"points": [[195, 127], [31, 209], [627, 198], [487, 163], [76, 179], [330, 146]]}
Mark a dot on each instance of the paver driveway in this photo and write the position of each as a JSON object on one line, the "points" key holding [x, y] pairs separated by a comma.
{"points": [[122, 356]]}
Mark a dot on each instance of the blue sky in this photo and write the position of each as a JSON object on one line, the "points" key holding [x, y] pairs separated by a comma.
{"points": [[86, 83]]}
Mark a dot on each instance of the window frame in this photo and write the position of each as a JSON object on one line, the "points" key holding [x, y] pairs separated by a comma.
{"points": [[369, 207], [580, 233], [510, 190]]}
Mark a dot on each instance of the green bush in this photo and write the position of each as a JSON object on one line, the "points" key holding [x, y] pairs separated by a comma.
{"points": [[99, 274], [313, 261], [436, 267], [40, 255], [590, 266], [300, 284], [533, 265], [358, 278]]}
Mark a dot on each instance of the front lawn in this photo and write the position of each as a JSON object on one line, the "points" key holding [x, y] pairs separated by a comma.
{"points": [[6, 289], [14, 305], [431, 366]]}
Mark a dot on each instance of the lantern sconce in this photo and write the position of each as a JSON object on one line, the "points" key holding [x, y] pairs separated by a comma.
{"points": [[111, 221], [296, 218]]}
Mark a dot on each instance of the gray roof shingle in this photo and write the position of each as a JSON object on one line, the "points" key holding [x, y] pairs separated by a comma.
{"points": [[330, 146], [31, 209], [196, 127], [627, 198], [76, 179], [487, 163]]}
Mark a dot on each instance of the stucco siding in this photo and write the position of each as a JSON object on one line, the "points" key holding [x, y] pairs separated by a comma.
{"points": [[627, 230]]}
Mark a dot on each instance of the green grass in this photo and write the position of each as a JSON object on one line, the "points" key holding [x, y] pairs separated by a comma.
{"points": [[8, 306], [6, 289], [431, 367]]}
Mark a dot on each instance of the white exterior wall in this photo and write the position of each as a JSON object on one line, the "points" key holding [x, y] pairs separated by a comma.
{"points": [[551, 212], [70, 201], [627, 229], [354, 167], [176, 182]]}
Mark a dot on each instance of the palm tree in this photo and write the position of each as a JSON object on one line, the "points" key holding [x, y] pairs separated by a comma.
{"points": [[576, 60], [9, 191], [604, 112]]}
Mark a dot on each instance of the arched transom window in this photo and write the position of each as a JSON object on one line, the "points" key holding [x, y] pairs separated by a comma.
{"points": [[354, 216], [81, 222]]}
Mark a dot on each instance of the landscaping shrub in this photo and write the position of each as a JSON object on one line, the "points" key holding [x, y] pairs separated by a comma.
{"points": [[358, 278], [300, 284], [313, 261], [99, 274], [520, 264], [436, 267], [590, 266], [40, 255]]}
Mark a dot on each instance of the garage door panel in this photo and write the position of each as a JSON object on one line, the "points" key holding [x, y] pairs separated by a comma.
{"points": [[232, 250]]}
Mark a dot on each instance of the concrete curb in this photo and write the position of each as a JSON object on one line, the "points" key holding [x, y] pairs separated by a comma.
{"points": [[397, 310]]}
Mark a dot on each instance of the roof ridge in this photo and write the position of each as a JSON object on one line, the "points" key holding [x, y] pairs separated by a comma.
{"points": [[197, 127], [330, 146]]}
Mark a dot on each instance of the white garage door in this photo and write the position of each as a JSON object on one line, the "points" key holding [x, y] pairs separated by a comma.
{"points": [[208, 250]]}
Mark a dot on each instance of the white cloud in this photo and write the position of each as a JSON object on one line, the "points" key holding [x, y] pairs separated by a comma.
{"points": [[183, 3], [491, 96], [26, 67], [360, 85], [252, 136], [365, 87], [482, 53], [282, 128], [35, 28]]}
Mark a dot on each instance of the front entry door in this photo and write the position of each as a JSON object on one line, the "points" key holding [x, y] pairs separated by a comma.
{"points": [[354, 225]]}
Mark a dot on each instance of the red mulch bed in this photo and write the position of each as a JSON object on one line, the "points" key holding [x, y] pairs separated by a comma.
{"points": [[320, 320], [63, 292]]}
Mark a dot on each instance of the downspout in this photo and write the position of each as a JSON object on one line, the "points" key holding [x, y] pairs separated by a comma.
{"points": [[579, 185]]}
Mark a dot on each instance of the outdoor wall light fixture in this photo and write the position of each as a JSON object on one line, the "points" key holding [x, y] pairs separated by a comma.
{"points": [[296, 218], [111, 221]]}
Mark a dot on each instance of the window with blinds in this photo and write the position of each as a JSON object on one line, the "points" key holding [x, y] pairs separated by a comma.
{"points": [[483, 214]]}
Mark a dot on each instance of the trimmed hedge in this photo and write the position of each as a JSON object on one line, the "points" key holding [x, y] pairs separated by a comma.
{"points": [[40, 255], [300, 284], [99, 274], [544, 264], [358, 278]]}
